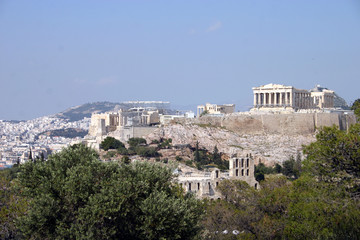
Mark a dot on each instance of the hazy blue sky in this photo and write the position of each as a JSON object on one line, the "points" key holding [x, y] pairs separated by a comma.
{"points": [[58, 54]]}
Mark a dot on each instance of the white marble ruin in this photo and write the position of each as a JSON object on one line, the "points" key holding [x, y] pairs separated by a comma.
{"points": [[277, 97], [204, 184]]}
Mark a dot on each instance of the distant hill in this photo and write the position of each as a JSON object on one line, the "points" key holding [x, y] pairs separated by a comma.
{"points": [[85, 110], [339, 102]]}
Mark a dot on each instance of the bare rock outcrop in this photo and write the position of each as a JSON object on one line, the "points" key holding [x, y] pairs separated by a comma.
{"points": [[266, 148]]}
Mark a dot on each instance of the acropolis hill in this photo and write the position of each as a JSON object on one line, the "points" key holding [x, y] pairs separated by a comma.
{"points": [[282, 120], [269, 137]]}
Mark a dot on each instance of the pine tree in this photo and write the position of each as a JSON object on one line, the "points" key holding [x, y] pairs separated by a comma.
{"points": [[216, 156], [197, 157], [30, 155]]}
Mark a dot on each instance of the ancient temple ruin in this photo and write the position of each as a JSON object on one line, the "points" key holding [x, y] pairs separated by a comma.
{"points": [[280, 97], [204, 184], [215, 109]]}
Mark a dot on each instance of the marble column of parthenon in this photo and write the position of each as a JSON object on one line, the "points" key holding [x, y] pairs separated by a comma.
{"points": [[287, 97], [273, 98], [281, 96]]}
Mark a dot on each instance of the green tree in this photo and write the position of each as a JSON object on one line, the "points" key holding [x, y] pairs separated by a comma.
{"points": [[356, 108], [256, 214], [125, 160], [216, 156], [30, 155], [123, 151], [164, 143], [278, 168], [260, 171], [146, 151], [12, 205], [74, 195], [282, 209], [111, 143], [323, 203], [320, 211], [291, 167], [197, 157], [334, 158], [134, 142]]}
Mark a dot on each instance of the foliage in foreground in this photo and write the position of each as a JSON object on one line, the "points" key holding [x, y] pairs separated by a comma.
{"points": [[283, 209], [323, 203], [11, 204], [73, 195], [335, 158], [356, 108]]}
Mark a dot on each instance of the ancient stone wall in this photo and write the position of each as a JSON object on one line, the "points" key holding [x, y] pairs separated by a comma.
{"points": [[124, 133], [276, 123]]}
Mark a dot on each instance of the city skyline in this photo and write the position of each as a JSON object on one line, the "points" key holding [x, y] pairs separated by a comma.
{"points": [[55, 55]]}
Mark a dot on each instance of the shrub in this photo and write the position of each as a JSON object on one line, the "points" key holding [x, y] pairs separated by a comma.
{"points": [[111, 143], [134, 142]]}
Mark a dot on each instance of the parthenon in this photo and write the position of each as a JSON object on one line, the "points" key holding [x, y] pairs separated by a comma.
{"points": [[278, 97]]}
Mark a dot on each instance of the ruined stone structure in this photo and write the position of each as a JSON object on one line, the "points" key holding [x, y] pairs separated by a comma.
{"points": [[204, 184], [276, 97], [104, 123], [122, 125], [167, 119], [215, 109], [322, 97]]}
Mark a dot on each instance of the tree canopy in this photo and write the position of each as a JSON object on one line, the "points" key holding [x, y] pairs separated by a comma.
{"points": [[323, 203], [111, 143], [73, 195], [134, 142], [356, 108], [335, 158]]}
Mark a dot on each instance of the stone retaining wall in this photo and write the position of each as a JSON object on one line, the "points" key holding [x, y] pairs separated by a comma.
{"points": [[272, 123]]}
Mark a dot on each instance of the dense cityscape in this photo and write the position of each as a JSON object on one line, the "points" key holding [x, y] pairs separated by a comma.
{"points": [[19, 137]]}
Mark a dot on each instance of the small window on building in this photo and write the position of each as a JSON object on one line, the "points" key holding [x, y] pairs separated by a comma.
{"points": [[237, 172], [198, 186], [237, 163], [247, 172], [242, 162], [189, 186], [247, 162], [209, 186], [217, 184], [216, 174], [242, 172]]}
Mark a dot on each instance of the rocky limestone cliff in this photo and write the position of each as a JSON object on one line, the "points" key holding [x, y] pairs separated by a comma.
{"points": [[267, 148], [270, 138]]}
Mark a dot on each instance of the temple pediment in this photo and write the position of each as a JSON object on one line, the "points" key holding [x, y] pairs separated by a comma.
{"points": [[272, 85]]}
